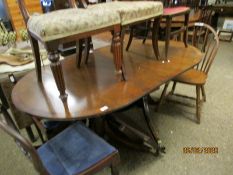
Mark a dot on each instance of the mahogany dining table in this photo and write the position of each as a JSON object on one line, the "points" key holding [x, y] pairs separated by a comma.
{"points": [[94, 91]]}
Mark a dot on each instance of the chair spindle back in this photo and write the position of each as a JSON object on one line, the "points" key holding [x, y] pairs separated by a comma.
{"points": [[208, 43]]}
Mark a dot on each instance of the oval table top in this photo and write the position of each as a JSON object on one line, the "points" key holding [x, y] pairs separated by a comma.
{"points": [[93, 90]]}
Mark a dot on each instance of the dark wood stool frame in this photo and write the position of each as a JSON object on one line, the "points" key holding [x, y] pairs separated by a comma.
{"points": [[156, 22], [54, 57]]}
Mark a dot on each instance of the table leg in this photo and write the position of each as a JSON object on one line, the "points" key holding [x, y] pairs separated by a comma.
{"points": [[153, 132], [132, 134]]}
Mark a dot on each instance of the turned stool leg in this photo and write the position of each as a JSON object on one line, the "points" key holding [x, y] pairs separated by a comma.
{"points": [[118, 52], [57, 73]]}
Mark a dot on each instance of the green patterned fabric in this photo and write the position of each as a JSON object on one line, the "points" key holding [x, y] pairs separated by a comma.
{"points": [[62, 23], [132, 11]]}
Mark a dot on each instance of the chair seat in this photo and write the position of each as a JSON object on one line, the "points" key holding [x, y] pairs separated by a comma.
{"points": [[74, 150], [62, 23], [171, 11], [193, 77], [131, 11]]}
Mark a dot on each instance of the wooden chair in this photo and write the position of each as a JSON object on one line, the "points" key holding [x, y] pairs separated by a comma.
{"points": [[168, 14], [197, 76], [76, 150]]}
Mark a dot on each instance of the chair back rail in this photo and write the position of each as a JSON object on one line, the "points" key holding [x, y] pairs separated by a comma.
{"points": [[24, 145], [207, 43]]}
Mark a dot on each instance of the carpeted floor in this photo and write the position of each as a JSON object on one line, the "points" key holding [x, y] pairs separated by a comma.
{"points": [[177, 129]]}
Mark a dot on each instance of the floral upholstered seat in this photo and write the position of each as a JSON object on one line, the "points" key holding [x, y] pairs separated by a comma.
{"points": [[63, 23], [131, 12]]}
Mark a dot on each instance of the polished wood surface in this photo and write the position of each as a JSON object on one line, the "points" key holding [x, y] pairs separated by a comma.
{"points": [[93, 90]]}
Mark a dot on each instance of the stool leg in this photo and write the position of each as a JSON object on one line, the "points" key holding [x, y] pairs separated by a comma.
{"points": [[147, 31], [130, 37], [56, 68], [167, 37], [87, 47], [36, 53], [118, 52], [79, 50], [155, 37]]}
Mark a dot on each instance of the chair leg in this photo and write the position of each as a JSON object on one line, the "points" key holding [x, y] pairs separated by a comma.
{"points": [[30, 134], [203, 93], [162, 96], [40, 134], [130, 37], [173, 88], [114, 170], [198, 107]]}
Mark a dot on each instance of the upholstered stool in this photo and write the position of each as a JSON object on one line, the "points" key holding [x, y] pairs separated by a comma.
{"points": [[131, 13], [58, 27]]}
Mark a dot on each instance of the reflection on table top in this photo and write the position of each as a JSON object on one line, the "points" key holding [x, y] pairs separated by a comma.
{"points": [[93, 90]]}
